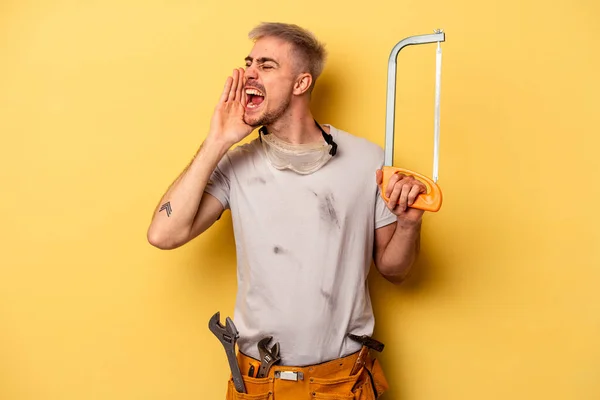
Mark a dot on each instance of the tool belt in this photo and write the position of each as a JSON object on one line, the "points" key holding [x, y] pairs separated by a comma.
{"points": [[336, 379]]}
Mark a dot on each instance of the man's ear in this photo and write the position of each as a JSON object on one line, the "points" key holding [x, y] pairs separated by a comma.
{"points": [[303, 84]]}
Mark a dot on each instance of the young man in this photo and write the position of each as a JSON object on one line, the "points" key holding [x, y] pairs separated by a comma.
{"points": [[308, 220]]}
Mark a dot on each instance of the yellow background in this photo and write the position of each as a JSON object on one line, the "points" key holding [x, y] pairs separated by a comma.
{"points": [[103, 103]]}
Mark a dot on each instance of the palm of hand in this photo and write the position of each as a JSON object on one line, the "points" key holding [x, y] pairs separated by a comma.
{"points": [[228, 118]]}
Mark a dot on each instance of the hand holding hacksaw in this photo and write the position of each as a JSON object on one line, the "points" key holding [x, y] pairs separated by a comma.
{"points": [[432, 200]]}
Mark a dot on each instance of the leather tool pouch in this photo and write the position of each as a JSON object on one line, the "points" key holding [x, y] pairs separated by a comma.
{"points": [[367, 384], [256, 389]]}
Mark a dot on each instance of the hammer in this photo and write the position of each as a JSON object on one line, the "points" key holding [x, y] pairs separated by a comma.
{"points": [[367, 343]]}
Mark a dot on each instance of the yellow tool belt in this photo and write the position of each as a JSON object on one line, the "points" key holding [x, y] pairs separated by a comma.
{"points": [[329, 380]]}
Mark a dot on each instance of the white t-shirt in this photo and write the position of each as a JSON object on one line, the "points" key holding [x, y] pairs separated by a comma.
{"points": [[304, 247]]}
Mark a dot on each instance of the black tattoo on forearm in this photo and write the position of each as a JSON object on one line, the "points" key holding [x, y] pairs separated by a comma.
{"points": [[167, 207]]}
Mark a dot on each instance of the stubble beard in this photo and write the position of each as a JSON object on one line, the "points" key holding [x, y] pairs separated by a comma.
{"points": [[268, 117]]}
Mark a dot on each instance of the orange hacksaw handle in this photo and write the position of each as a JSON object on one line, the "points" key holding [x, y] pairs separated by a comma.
{"points": [[430, 201]]}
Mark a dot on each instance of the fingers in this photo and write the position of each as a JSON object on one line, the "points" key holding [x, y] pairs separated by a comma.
{"points": [[244, 99], [394, 196], [392, 183], [403, 191], [414, 192], [379, 177], [226, 90], [240, 94], [234, 86], [403, 200]]}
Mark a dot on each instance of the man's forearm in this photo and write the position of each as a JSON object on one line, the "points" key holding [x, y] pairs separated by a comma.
{"points": [[401, 252], [175, 213]]}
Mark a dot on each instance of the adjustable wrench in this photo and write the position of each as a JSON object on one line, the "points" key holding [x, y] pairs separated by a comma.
{"points": [[228, 336], [268, 357]]}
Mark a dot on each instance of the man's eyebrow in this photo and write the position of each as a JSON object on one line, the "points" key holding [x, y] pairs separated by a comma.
{"points": [[261, 60]]}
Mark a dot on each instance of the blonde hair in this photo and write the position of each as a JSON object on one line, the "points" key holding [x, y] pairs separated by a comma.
{"points": [[310, 50]]}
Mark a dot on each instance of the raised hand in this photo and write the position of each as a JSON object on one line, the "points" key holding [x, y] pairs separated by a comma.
{"points": [[227, 122]]}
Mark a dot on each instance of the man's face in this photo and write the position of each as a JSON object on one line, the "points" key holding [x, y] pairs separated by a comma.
{"points": [[270, 74]]}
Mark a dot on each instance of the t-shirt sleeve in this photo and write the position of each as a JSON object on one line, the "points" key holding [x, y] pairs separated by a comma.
{"points": [[383, 215], [219, 182]]}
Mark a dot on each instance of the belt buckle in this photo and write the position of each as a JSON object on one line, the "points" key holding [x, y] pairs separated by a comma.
{"points": [[289, 375]]}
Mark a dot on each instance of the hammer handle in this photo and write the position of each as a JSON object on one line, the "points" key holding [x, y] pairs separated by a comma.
{"points": [[361, 360]]}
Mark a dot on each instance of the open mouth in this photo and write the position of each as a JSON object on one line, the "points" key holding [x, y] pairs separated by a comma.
{"points": [[254, 98]]}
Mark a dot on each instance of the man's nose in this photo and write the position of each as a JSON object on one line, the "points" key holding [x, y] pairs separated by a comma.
{"points": [[251, 73]]}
